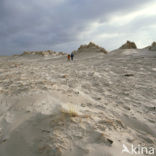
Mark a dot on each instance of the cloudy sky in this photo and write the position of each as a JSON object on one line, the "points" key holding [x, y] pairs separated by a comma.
{"points": [[63, 25]]}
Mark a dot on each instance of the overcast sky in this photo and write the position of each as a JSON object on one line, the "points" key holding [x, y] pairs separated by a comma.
{"points": [[63, 25]]}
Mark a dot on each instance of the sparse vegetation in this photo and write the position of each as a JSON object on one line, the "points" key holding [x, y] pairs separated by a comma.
{"points": [[153, 46], [91, 45], [70, 110], [129, 45], [42, 53]]}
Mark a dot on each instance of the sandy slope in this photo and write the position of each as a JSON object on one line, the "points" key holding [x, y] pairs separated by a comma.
{"points": [[91, 106]]}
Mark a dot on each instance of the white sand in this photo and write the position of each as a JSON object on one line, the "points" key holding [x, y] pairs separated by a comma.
{"points": [[88, 107]]}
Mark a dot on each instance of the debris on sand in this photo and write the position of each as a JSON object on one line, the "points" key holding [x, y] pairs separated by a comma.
{"points": [[128, 75]]}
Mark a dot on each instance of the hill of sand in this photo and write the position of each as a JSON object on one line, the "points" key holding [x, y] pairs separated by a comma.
{"points": [[153, 46], [91, 48], [129, 45], [87, 107]]}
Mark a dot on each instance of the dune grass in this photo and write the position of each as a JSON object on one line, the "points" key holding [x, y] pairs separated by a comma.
{"points": [[70, 110]]}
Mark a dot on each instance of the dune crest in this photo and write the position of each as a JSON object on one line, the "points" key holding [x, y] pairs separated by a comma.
{"points": [[129, 45], [153, 46], [41, 53], [90, 47]]}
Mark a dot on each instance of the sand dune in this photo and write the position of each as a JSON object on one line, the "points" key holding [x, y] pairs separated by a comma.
{"points": [[90, 106]]}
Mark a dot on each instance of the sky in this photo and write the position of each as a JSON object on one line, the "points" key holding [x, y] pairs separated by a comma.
{"points": [[63, 25]]}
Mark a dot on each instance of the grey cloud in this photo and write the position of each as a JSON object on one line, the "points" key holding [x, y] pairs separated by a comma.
{"points": [[48, 24]]}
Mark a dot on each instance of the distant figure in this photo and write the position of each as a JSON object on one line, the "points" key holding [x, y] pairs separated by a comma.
{"points": [[68, 57], [72, 56]]}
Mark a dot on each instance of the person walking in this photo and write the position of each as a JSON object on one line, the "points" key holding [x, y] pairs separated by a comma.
{"points": [[68, 57], [72, 56]]}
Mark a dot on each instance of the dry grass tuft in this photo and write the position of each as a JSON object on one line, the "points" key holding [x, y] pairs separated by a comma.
{"points": [[70, 110]]}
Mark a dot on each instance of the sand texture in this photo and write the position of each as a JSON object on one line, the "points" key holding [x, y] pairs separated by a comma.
{"points": [[87, 107]]}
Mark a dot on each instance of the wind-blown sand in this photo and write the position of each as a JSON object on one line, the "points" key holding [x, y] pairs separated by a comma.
{"points": [[88, 107]]}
